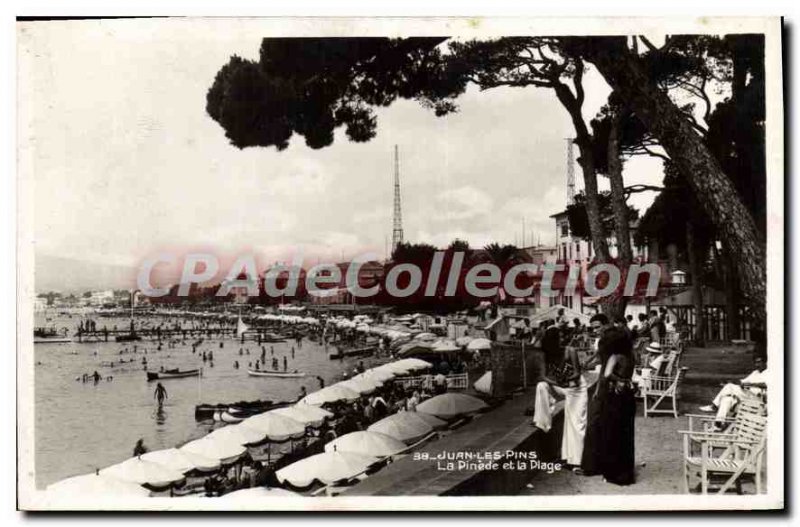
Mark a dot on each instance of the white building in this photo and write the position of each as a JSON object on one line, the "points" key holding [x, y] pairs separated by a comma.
{"points": [[575, 251]]}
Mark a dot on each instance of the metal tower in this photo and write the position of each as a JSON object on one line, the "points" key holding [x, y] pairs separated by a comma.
{"points": [[570, 173], [397, 226]]}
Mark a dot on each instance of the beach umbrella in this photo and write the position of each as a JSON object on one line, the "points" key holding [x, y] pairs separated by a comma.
{"points": [[96, 486], [484, 384], [435, 422], [480, 344], [327, 468], [407, 427], [275, 427], [396, 368], [225, 452], [304, 413], [416, 364], [256, 493], [377, 373], [365, 442], [449, 405], [362, 385], [415, 347], [463, 341], [444, 346], [330, 394], [181, 460], [136, 470], [368, 378], [238, 434]]}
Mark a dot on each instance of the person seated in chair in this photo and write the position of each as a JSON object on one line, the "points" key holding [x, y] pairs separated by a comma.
{"points": [[730, 394]]}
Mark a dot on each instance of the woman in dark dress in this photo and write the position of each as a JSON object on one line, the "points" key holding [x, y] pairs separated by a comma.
{"points": [[592, 442], [608, 447], [618, 412]]}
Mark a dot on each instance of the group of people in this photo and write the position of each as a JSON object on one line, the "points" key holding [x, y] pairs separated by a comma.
{"points": [[598, 437], [360, 414]]}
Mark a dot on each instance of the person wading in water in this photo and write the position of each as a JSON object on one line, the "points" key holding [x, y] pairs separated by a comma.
{"points": [[160, 394]]}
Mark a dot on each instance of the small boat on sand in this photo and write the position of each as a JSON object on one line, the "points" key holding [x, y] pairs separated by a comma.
{"points": [[271, 373], [171, 374]]}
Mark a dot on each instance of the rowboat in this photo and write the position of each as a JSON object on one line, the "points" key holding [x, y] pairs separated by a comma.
{"points": [[227, 417], [51, 340], [171, 374], [270, 373], [356, 352], [49, 336], [241, 408]]}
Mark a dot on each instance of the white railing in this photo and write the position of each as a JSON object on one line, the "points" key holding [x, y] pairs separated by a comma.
{"points": [[456, 381]]}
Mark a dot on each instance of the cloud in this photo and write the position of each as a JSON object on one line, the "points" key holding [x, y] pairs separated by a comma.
{"points": [[462, 203]]}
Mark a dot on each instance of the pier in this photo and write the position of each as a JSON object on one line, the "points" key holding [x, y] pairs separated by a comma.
{"points": [[253, 334]]}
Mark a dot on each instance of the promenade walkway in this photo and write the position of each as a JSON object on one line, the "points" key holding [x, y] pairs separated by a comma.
{"points": [[658, 446]]}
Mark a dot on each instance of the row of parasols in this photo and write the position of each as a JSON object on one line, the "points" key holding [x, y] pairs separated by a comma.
{"points": [[344, 458]]}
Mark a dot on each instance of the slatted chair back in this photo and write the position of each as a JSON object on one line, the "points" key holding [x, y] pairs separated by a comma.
{"points": [[659, 388]]}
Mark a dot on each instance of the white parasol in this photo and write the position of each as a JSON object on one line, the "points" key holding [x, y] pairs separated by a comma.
{"points": [[407, 427], [484, 384], [365, 442], [480, 344], [304, 413], [275, 427], [450, 405], [136, 470], [256, 493], [327, 468], [181, 460], [330, 394], [94, 485], [223, 451]]}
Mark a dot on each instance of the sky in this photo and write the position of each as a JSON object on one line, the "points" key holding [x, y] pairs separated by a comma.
{"points": [[126, 163]]}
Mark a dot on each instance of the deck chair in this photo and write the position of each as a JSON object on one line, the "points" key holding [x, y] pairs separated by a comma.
{"points": [[727, 455], [707, 423], [658, 389]]}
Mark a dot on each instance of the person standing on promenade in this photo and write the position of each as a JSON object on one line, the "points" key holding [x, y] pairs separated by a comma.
{"points": [[571, 385], [609, 446], [600, 326]]}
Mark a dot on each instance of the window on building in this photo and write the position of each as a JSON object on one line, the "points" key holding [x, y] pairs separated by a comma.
{"points": [[563, 251], [564, 230], [577, 250]]}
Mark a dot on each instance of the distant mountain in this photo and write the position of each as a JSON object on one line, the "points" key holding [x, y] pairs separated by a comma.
{"points": [[68, 275]]}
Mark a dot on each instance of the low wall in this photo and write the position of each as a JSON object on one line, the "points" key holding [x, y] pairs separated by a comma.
{"points": [[514, 367]]}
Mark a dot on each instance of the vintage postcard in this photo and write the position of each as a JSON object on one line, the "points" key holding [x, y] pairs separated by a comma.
{"points": [[400, 264]]}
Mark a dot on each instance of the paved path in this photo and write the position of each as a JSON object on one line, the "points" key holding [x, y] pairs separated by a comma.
{"points": [[658, 469]]}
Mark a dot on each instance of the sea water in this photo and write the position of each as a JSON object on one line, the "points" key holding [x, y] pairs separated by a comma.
{"points": [[80, 427]]}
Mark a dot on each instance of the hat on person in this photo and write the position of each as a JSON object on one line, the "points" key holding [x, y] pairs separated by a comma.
{"points": [[654, 347]]}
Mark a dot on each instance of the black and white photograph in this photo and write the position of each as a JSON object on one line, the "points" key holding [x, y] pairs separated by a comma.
{"points": [[423, 264]]}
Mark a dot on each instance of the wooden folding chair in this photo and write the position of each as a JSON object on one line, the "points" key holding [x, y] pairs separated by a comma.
{"points": [[730, 455], [656, 389]]}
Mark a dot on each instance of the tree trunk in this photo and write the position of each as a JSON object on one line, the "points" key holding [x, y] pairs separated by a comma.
{"points": [[614, 307], [676, 135], [618, 203], [586, 160], [731, 296], [695, 268]]}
